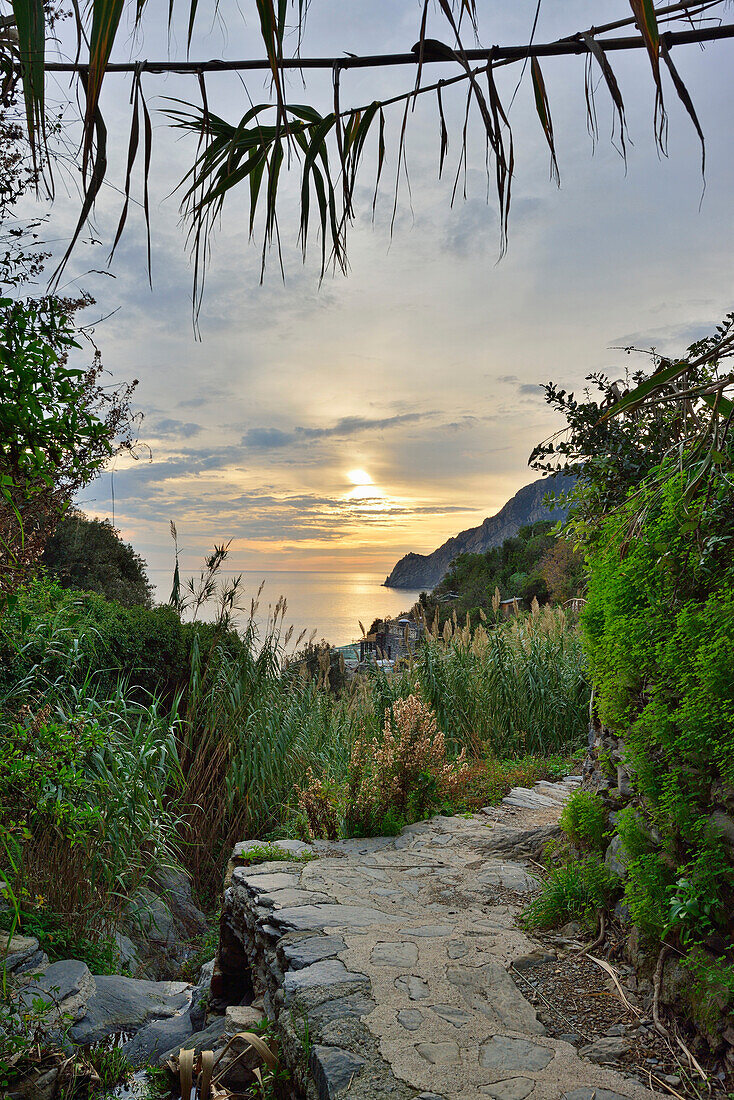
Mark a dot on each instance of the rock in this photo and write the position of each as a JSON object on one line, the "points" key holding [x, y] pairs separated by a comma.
{"points": [[724, 825], [176, 888], [510, 875], [515, 1055], [533, 958], [593, 1094], [616, 857], [521, 843], [400, 955], [452, 1015], [410, 1018], [315, 917], [416, 988], [200, 996], [353, 1006], [456, 949], [322, 981], [121, 1004], [18, 951], [34, 964], [211, 1038], [333, 1070], [489, 989], [429, 931], [242, 1018], [153, 918], [608, 1049], [156, 1038], [67, 987], [127, 953], [301, 950], [512, 1088], [444, 1053]]}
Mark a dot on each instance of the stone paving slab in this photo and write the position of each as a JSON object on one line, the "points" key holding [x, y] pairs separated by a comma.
{"points": [[401, 971]]}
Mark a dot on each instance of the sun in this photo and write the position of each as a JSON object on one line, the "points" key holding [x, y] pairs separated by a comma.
{"points": [[359, 477]]}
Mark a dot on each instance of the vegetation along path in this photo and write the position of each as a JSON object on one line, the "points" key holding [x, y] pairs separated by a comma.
{"points": [[387, 961]]}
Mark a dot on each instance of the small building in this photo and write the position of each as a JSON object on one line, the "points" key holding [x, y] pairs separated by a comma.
{"points": [[396, 638], [511, 607]]}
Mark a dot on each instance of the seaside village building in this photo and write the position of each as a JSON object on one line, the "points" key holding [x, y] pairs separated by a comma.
{"points": [[397, 638]]}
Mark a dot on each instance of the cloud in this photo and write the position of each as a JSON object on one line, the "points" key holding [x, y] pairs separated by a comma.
{"points": [[166, 428], [266, 439]]}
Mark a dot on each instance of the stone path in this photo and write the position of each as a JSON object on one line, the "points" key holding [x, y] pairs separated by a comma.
{"points": [[394, 953]]}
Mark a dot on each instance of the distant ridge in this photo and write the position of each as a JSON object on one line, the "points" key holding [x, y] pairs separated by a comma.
{"points": [[426, 570]]}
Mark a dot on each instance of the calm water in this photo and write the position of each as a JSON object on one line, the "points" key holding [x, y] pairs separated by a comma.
{"points": [[329, 603]]}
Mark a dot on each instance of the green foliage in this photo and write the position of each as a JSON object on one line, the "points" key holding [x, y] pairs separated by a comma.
{"points": [[515, 568], [53, 637], [584, 821], [577, 890], [89, 556]]}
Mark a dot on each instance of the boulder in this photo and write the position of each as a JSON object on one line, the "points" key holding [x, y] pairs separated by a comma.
{"points": [[175, 887], [66, 987], [200, 996], [211, 1037], [160, 1036], [121, 1004]]}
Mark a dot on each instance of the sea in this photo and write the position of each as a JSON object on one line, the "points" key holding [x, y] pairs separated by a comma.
{"points": [[329, 605]]}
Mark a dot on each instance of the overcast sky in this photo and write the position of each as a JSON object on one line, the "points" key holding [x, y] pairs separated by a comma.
{"points": [[341, 425]]}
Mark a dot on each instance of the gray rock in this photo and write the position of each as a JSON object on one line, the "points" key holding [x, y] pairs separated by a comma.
{"points": [[416, 988], [333, 1070], [303, 950], [429, 931], [149, 914], [512, 1088], [176, 888], [489, 989], [456, 949], [724, 824], [36, 963], [608, 1049], [67, 987], [593, 1094], [456, 1016], [508, 874], [429, 1096], [211, 1038], [121, 1004], [513, 1055], [533, 958], [264, 883], [520, 843], [18, 951], [127, 952], [410, 1018], [353, 1006], [399, 955], [316, 917], [323, 981], [158, 1037], [616, 857], [200, 995], [443, 1053]]}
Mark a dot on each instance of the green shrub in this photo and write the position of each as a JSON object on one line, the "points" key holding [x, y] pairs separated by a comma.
{"points": [[584, 821], [574, 891]]}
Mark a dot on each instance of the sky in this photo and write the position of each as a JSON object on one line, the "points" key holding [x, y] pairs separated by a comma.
{"points": [[339, 424]]}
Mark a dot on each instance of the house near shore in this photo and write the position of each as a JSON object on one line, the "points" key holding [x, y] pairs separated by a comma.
{"points": [[396, 639]]}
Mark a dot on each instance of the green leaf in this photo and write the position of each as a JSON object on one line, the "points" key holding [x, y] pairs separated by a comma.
{"points": [[665, 374], [29, 20]]}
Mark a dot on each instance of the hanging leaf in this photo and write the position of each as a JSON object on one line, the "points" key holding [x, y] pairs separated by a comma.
{"points": [[611, 81], [105, 22], [543, 108], [30, 24], [686, 101], [444, 132], [644, 13]]}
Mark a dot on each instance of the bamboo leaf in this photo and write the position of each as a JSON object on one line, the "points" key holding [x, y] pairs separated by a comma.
{"points": [[661, 377], [611, 81], [30, 24], [644, 13], [543, 108], [686, 100], [105, 22]]}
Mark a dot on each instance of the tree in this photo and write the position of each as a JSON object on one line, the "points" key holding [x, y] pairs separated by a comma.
{"points": [[89, 554], [58, 427], [328, 147]]}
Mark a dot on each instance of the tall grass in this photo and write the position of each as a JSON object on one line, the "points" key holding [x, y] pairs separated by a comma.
{"points": [[518, 688]]}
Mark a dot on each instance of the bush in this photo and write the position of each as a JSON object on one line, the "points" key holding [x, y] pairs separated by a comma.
{"points": [[402, 776], [584, 821], [575, 891]]}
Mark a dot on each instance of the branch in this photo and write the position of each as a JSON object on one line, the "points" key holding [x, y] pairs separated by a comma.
{"points": [[507, 54]]}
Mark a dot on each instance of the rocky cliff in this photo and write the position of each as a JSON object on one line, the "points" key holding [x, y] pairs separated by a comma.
{"points": [[426, 570]]}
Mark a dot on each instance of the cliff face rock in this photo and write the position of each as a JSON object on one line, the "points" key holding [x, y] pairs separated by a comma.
{"points": [[426, 570]]}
